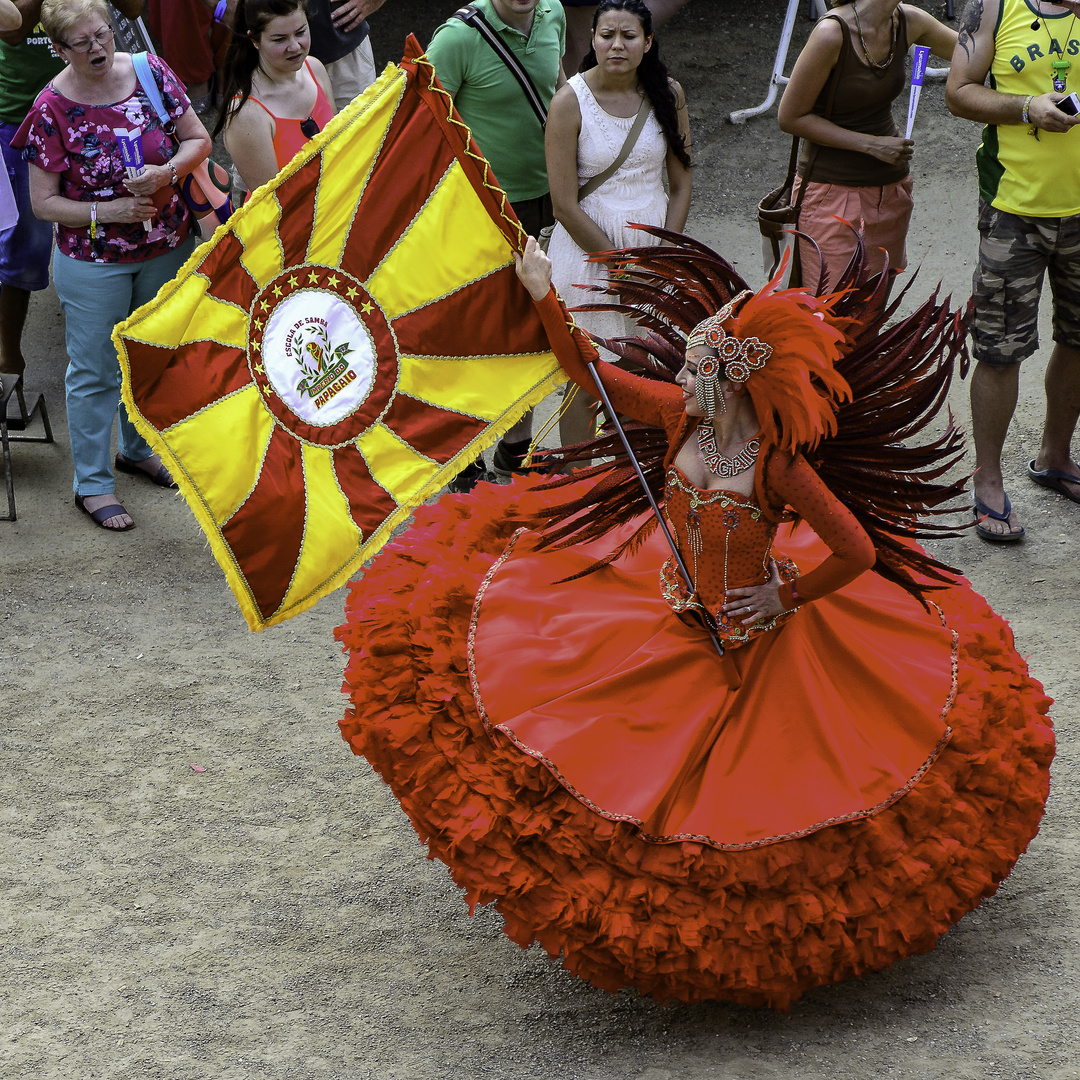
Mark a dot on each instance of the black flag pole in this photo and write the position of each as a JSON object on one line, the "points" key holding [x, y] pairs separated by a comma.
{"points": [[613, 416]]}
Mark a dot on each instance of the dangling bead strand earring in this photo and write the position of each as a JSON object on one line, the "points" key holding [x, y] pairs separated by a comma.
{"points": [[705, 387]]}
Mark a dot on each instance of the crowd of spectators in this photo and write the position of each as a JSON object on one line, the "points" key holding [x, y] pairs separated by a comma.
{"points": [[272, 72]]}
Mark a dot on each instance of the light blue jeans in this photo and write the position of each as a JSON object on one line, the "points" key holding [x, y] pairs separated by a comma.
{"points": [[94, 298]]}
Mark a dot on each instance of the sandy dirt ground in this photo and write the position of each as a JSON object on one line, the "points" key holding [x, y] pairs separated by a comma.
{"points": [[274, 916]]}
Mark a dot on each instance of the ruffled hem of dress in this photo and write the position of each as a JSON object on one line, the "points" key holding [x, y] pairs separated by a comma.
{"points": [[677, 920]]}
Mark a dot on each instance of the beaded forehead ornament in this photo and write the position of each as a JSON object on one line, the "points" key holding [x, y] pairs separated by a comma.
{"points": [[739, 357]]}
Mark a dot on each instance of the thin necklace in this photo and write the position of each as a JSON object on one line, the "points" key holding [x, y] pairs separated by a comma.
{"points": [[862, 41], [717, 463]]}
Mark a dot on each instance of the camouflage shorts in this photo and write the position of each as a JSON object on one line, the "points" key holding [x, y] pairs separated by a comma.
{"points": [[1014, 253]]}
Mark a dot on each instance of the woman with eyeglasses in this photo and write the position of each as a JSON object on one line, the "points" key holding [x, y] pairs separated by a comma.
{"points": [[277, 97], [119, 238]]}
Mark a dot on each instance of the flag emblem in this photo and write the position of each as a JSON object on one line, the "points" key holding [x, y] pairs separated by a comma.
{"points": [[323, 355]]}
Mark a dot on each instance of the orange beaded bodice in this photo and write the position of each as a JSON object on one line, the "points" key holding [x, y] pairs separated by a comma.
{"points": [[726, 543]]}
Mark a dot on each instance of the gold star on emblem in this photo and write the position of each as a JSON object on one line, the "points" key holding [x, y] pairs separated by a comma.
{"points": [[332, 281], [351, 293], [258, 324], [266, 392], [313, 277], [264, 304], [260, 369], [367, 307], [292, 281], [277, 290], [257, 346]]}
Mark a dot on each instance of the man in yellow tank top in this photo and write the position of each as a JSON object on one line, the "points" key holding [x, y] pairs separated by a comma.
{"points": [[1029, 224]]}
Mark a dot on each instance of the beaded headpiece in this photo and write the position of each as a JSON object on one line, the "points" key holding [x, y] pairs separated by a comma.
{"points": [[736, 358], [740, 356], [710, 330], [706, 332]]}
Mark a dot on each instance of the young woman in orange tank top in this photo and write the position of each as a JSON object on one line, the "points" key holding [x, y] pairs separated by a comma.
{"points": [[278, 97]]}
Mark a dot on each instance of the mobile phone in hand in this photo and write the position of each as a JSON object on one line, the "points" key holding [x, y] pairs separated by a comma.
{"points": [[1070, 105]]}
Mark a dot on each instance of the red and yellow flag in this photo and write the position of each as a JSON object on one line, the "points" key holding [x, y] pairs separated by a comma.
{"points": [[346, 344]]}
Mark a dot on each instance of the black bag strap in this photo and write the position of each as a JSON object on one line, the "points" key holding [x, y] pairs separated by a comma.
{"points": [[473, 17], [830, 101]]}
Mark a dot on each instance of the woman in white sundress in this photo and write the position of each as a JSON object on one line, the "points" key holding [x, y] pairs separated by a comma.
{"points": [[589, 121]]}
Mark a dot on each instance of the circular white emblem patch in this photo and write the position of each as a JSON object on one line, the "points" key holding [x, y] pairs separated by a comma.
{"points": [[319, 357]]}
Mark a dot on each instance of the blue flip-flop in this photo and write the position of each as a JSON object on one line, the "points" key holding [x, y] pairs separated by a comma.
{"points": [[1053, 479], [983, 511], [103, 513]]}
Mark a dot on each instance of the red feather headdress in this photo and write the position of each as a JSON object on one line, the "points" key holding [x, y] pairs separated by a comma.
{"points": [[796, 391]]}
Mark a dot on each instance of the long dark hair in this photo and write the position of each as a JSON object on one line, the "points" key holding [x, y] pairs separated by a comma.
{"points": [[651, 73], [243, 58]]}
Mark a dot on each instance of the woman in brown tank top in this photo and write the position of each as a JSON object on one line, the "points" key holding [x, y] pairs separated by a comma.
{"points": [[856, 160]]}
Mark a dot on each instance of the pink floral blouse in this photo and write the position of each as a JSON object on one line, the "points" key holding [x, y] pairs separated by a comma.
{"points": [[77, 141]]}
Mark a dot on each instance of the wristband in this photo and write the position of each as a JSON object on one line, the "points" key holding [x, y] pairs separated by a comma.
{"points": [[172, 168], [1024, 117], [219, 11], [93, 221]]}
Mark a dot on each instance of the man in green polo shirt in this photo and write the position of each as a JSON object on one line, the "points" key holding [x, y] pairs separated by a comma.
{"points": [[507, 130]]}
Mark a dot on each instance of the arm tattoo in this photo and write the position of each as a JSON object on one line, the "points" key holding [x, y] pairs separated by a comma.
{"points": [[972, 22]]}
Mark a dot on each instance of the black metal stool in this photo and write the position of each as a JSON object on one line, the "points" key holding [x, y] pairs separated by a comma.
{"points": [[12, 384]]}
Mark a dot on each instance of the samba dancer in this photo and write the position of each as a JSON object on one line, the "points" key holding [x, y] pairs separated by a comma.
{"points": [[861, 766]]}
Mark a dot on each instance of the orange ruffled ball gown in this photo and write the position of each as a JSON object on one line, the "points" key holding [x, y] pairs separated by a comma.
{"points": [[780, 898], [826, 798]]}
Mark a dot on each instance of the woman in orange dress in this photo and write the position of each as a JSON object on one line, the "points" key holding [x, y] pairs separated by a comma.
{"points": [[824, 785]]}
